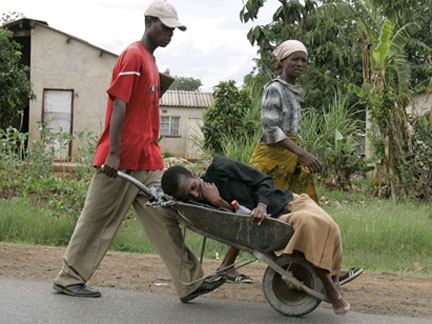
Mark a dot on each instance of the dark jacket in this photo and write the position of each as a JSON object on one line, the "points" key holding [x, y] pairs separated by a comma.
{"points": [[247, 185]]}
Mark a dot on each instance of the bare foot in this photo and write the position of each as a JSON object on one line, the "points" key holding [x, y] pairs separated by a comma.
{"points": [[340, 305], [334, 292]]}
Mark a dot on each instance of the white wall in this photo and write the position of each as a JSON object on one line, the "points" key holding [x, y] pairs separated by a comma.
{"points": [[177, 146], [74, 65], [422, 104]]}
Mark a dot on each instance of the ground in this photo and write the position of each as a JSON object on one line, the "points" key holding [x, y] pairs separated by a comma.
{"points": [[384, 294]]}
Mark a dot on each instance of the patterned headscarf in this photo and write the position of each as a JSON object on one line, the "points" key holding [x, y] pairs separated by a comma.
{"points": [[286, 49]]}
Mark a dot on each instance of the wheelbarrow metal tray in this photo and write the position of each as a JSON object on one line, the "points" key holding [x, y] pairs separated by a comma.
{"points": [[227, 227]]}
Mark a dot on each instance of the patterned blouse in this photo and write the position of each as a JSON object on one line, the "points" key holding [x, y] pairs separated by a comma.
{"points": [[280, 111]]}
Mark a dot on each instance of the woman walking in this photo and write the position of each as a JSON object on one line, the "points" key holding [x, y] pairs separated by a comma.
{"points": [[277, 153]]}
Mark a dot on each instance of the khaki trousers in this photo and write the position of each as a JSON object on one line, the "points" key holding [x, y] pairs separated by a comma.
{"points": [[108, 200]]}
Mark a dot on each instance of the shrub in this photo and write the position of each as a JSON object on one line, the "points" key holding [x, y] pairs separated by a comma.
{"points": [[28, 173], [227, 116], [15, 87], [242, 146], [334, 137]]}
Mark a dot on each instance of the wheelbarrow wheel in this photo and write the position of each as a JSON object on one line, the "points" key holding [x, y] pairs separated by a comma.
{"points": [[286, 299]]}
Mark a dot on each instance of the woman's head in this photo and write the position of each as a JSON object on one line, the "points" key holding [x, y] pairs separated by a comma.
{"points": [[287, 48], [291, 57], [182, 184]]}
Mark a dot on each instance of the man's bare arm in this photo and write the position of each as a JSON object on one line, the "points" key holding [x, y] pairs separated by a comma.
{"points": [[112, 162]]}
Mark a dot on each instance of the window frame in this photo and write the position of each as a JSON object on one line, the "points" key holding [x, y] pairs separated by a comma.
{"points": [[170, 123]]}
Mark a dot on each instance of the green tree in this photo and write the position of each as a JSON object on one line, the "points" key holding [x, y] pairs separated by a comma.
{"points": [[331, 63], [387, 99], [373, 43], [15, 87], [226, 117], [186, 83], [387, 91]]}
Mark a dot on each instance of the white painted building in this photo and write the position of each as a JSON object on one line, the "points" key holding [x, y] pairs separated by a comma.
{"points": [[181, 121], [70, 76]]}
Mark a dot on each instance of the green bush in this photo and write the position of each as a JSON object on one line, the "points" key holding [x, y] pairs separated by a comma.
{"points": [[28, 173], [241, 147], [86, 153], [227, 116], [15, 86], [335, 137], [417, 172]]}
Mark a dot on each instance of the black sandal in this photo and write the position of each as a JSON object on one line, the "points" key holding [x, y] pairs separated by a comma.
{"points": [[350, 275], [241, 278]]}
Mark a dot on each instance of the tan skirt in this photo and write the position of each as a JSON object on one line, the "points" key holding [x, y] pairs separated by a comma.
{"points": [[316, 234]]}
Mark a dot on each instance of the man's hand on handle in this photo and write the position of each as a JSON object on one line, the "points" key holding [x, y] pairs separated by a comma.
{"points": [[111, 165]]}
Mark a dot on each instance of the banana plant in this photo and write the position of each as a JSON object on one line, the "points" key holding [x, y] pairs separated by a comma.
{"points": [[386, 84]]}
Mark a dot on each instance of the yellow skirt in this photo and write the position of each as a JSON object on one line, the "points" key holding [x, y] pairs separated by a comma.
{"points": [[285, 168], [316, 234]]}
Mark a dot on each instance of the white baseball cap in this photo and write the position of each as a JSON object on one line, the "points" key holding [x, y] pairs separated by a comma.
{"points": [[166, 14]]}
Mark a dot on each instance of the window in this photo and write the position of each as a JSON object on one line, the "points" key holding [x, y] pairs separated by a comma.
{"points": [[170, 126]]}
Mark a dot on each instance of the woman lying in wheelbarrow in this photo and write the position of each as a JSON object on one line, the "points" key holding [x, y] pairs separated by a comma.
{"points": [[316, 235]]}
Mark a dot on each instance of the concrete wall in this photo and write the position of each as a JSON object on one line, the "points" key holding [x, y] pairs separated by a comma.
{"points": [[64, 63], [422, 104], [182, 146]]}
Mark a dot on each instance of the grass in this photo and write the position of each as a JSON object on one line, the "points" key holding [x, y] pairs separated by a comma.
{"points": [[378, 235], [21, 221], [382, 235]]}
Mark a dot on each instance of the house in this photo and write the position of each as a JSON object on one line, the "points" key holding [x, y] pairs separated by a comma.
{"points": [[70, 76], [181, 120], [422, 104]]}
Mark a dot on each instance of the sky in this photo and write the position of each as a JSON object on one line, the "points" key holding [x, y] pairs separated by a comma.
{"points": [[214, 48]]}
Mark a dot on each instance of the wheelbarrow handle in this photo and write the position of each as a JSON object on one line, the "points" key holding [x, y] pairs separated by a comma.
{"points": [[137, 183]]}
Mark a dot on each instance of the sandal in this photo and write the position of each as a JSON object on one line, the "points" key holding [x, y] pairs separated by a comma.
{"points": [[350, 275], [241, 278]]}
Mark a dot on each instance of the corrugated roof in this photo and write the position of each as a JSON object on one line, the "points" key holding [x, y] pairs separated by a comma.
{"points": [[182, 98]]}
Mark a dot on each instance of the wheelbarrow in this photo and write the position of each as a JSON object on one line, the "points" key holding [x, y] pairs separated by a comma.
{"points": [[290, 284]]}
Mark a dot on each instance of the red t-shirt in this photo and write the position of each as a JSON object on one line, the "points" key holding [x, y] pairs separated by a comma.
{"points": [[135, 79]]}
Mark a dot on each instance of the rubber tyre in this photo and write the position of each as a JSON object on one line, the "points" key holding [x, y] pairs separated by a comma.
{"points": [[288, 301]]}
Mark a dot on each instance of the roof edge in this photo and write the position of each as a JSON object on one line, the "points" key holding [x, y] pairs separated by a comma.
{"points": [[33, 22]]}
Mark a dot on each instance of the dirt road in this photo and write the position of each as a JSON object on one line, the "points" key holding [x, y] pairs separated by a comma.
{"points": [[383, 294]]}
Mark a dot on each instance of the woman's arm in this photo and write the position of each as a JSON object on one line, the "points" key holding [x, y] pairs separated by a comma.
{"points": [[309, 161]]}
